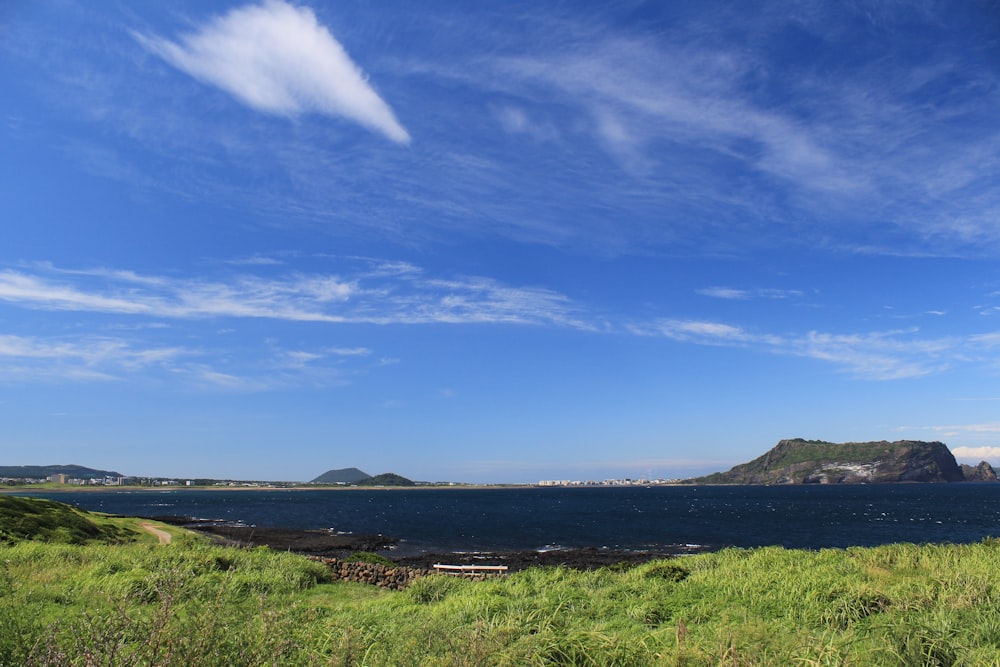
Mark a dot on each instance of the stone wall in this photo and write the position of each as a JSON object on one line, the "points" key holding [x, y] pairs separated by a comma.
{"points": [[395, 577]]}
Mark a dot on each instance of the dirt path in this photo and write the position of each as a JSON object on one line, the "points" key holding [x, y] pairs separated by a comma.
{"points": [[162, 535]]}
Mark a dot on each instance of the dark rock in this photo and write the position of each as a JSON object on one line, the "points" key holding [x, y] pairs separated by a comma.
{"points": [[311, 542], [981, 473], [587, 558]]}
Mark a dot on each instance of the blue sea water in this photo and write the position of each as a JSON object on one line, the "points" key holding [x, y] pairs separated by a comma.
{"points": [[634, 518]]}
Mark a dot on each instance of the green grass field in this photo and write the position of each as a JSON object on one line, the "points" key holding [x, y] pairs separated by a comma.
{"points": [[189, 603]]}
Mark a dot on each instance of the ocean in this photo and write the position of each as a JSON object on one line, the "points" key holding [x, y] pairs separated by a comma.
{"points": [[629, 518]]}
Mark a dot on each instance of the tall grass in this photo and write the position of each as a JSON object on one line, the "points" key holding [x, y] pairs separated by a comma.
{"points": [[49, 521], [191, 604]]}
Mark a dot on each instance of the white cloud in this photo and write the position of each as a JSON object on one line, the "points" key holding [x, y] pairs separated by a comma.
{"points": [[350, 351], [724, 293], [515, 120], [991, 339], [699, 101], [28, 357], [374, 294], [278, 59], [637, 92], [35, 359], [887, 355], [891, 355], [702, 332], [19, 287], [300, 358], [256, 260], [374, 297], [123, 292], [743, 294], [977, 453], [218, 380], [993, 427]]}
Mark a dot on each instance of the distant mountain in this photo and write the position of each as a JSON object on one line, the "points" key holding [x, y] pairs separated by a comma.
{"points": [[41, 472], [816, 462], [342, 476], [387, 479]]}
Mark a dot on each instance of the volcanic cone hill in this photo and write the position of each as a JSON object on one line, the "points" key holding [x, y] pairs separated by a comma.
{"points": [[801, 461], [342, 476], [355, 477]]}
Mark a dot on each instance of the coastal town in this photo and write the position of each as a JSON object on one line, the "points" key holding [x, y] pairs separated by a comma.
{"points": [[627, 481], [117, 481]]}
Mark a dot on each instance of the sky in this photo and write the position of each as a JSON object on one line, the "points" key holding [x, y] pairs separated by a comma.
{"points": [[494, 242]]}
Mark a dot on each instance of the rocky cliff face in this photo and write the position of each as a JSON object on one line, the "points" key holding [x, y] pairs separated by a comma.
{"points": [[816, 462], [981, 473]]}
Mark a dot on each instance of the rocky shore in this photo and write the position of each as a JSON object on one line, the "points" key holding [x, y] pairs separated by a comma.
{"points": [[321, 543], [586, 558], [308, 542]]}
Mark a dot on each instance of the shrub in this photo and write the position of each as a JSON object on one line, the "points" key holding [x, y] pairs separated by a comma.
{"points": [[370, 558]]}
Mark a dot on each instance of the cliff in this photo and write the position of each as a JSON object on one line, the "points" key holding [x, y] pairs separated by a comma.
{"points": [[981, 473], [816, 462]]}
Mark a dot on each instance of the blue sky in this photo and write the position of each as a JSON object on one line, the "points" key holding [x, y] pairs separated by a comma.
{"points": [[501, 242]]}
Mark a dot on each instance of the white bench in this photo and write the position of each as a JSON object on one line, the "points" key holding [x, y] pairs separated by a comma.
{"points": [[470, 570]]}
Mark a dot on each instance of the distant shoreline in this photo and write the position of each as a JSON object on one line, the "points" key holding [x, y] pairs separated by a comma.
{"points": [[68, 488]]}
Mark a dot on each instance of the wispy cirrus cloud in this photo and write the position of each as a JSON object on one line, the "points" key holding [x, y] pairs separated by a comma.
{"points": [[701, 136], [689, 108], [380, 294], [886, 355], [34, 359], [633, 102], [699, 331], [736, 294], [349, 351], [276, 58], [90, 358], [300, 298], [398, 293]]}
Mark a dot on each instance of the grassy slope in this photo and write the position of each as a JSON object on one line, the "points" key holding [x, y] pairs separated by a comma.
{"points": [[48, 521], [40, 520], [826, 452], [194, 604]]}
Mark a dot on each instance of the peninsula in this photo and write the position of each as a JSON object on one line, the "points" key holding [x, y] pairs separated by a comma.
{"points": [[799, 461]]}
